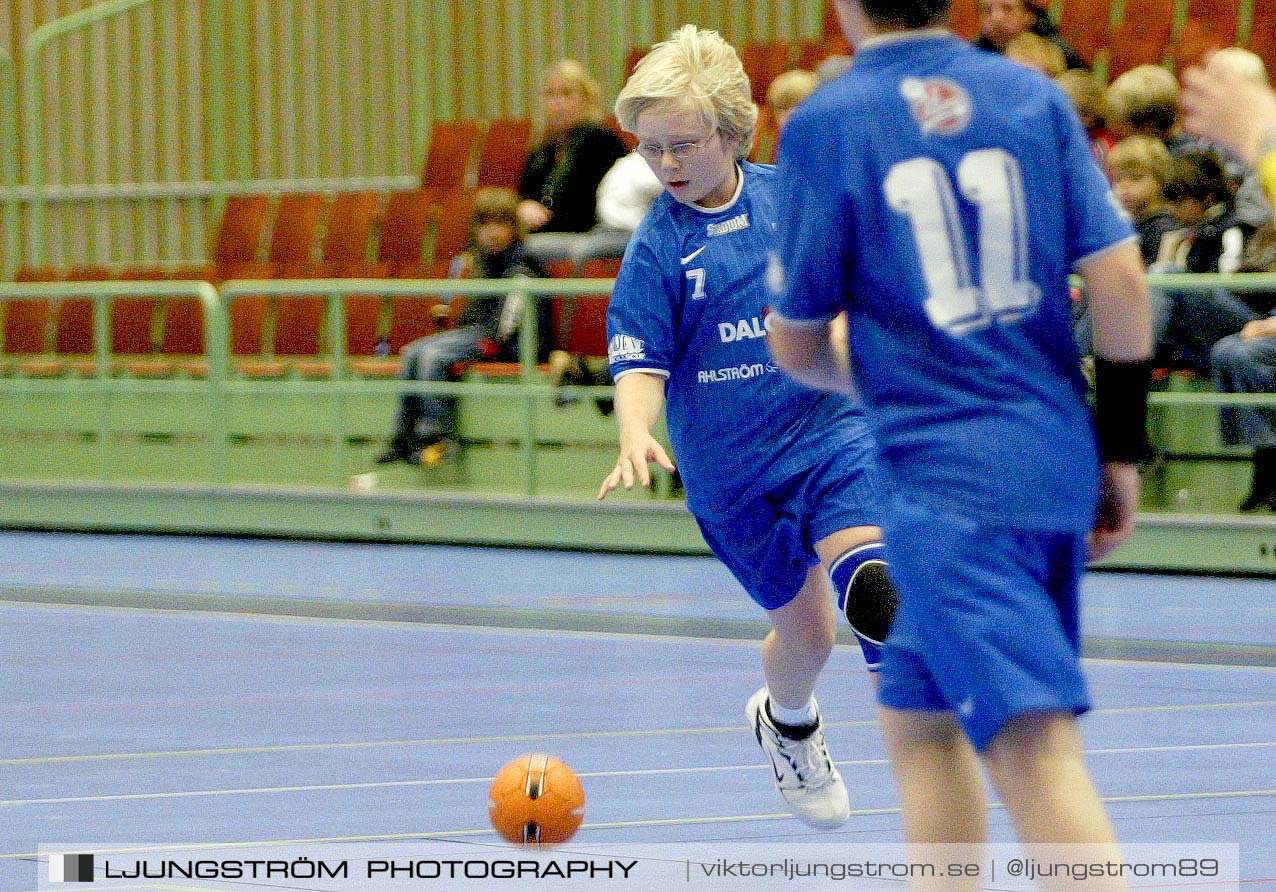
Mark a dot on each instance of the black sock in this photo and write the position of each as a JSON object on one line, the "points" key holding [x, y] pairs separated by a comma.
{"points": [[792, 732]]}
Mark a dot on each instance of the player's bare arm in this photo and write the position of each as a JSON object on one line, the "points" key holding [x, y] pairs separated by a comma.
{"points": [[1121, 311], [812, 352], [1119, 303], [1226, 108], [640, 398]]}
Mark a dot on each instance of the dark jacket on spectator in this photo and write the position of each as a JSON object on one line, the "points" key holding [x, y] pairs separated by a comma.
{"points": [[563, 174], [1151, 232], [486, 312]]}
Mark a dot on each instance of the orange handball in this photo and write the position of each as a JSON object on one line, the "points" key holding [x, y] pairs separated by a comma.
{"points": [[536, 800]]}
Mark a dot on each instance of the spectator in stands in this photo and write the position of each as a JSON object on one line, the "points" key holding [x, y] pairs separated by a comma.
{"points": [[624, 196], [1252, 206], [782, 96], [786, 91], [1088, 99], [1202, 235], [1210, 240], [625, 193], [1139, 167], [1001, 21], [1221, 105], [486, 329], [559, 187], [1037, 53], [1246, 363], [1203, 197], [1145, 102]]}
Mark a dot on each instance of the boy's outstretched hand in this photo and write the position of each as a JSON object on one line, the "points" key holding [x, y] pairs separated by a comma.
{"points": [[631, 466]]}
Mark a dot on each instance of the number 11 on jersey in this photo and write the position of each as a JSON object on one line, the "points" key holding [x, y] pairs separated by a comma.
{"points": [[921, 189]]}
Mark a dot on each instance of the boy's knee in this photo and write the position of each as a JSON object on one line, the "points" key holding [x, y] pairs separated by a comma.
{"points": [[866, 596]]}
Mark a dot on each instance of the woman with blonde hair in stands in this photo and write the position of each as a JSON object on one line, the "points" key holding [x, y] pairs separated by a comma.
{"points": [[560, 183]]}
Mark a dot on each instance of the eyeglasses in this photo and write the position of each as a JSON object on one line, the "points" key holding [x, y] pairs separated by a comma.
{"points": [[681, 152]]}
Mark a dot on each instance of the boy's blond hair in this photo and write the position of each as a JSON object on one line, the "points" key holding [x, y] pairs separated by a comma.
{"points": [[495, 203], [1144, 98], [1142, 153], [1036, 52], [695, 70]]}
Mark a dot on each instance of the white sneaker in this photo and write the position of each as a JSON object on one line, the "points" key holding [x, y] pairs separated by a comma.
{"points": [[805, 775]]}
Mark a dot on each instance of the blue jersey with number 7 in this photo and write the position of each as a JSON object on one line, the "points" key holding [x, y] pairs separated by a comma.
{"points": [[942, 194]]}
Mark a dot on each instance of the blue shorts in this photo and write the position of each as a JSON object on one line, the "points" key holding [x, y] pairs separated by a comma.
{"points": [[768, 542], [988, 622]]}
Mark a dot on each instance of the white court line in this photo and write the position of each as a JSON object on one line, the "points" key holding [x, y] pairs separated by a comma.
{"points": [[517, 738], [372, 785], [601, 825], [637, 772]]}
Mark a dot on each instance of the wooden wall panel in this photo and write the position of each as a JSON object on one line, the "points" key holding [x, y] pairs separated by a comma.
{"points": [[317, 90]]}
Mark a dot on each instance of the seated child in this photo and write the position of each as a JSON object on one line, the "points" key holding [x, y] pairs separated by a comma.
{"points": [[1211, 237], [487, 329], [1185, 324], [1139, 167], [1211, 240]]}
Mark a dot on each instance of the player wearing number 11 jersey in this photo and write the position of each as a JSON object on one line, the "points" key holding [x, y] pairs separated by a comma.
{"points": [[941, 195]]}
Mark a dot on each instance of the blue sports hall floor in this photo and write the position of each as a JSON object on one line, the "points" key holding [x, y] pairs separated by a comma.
{"points": [[197, 690]]}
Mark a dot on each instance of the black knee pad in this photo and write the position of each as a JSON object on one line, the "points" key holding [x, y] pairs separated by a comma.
{"points": [[866, 596]]}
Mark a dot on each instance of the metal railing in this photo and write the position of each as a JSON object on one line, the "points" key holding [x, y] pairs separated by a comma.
{"points": [[9, 166], [221, 384], [33, 72], [126, 102], [103, 383]]}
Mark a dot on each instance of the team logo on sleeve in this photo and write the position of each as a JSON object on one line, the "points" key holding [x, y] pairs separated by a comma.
{"points": [[624, 347], [939, 106]]}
